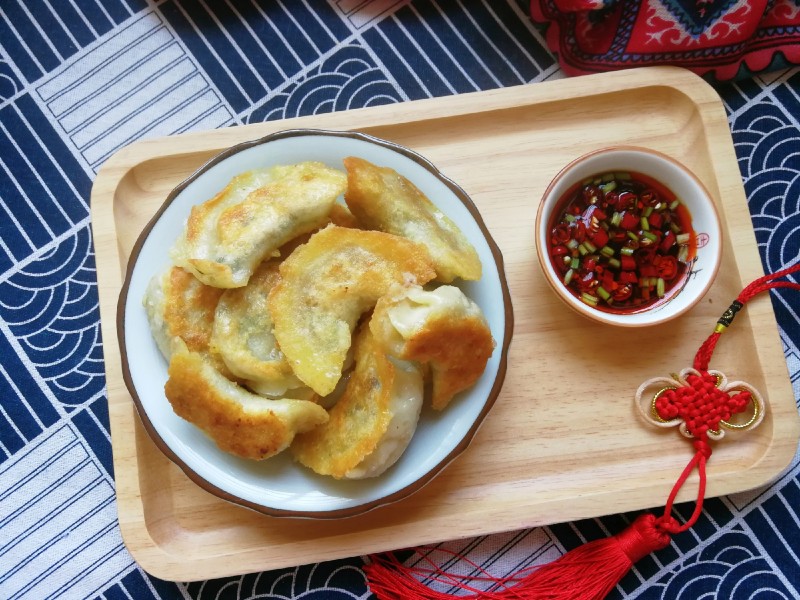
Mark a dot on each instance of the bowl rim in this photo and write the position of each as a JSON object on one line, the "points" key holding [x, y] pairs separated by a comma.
{"points": [[616, 319], [425, 478]]}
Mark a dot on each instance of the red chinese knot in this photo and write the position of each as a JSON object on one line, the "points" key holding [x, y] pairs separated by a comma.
{"points": [[701, 404]]}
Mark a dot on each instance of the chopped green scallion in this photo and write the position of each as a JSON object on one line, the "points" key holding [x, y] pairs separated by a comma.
{"points": [[650, 236], [589, 299], [608, 187]]}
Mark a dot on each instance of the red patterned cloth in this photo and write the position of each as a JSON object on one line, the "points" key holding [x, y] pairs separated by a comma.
{"points": [[723, 38]]}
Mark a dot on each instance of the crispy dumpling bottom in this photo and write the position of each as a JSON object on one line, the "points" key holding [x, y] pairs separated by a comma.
{"points": [[442, 329], [179, 306], [372, 423], [239, 422]]}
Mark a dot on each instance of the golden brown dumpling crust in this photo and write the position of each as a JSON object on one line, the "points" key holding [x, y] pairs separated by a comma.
{"points": [[457, 351], [179, 305], [190, 309], [239, 422], [382, 199], [326, 285], [227, 236], [341, 216], [441, 329], [358, 420]]}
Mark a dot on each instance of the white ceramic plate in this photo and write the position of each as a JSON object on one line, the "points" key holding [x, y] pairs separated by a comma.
{"points": [[278, 486]]}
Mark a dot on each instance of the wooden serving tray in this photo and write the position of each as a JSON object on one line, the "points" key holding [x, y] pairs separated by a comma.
{"points": [[563, 441]]}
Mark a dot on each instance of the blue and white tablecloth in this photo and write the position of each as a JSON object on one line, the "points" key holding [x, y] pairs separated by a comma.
{"points": [[79, 79]]}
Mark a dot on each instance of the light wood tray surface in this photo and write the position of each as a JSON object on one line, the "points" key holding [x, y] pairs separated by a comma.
{"points": [[562, 441]]}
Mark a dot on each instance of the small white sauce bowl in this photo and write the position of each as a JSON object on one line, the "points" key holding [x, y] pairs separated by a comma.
{"points": [[686, 187]]}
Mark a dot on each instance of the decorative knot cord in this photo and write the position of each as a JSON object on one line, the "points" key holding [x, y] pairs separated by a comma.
{"points": [[763, 284], [591, 571], [701, 405]]}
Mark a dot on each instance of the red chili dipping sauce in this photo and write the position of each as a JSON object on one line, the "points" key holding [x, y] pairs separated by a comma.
{"points": [[621, 242]]}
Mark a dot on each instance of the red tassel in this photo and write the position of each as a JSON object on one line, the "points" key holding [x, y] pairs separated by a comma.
{"points": [[588, 572], [591, 571]]}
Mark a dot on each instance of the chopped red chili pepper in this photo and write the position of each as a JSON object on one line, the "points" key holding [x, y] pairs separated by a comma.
{"points": [[592, 194], [649, 197], [621, 246], [579, 232], [667, 242], [629, 221], [560, 234], [622, 293], [600, 238], [608, 281], [626, 200], [666, 267]]}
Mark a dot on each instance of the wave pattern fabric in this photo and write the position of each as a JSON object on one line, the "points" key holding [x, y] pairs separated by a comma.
{"points": [[80, 79]]}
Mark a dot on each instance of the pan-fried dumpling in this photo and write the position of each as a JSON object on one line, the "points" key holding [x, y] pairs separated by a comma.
{"points": [[242, 336], [239, 422], [341, 216], [326, 285], [372, 423], [178, 305], [441, 329], [382, 199], [225, 238]]}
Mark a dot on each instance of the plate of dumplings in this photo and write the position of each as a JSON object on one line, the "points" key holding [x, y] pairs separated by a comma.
{"points": [[315, 323]]}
